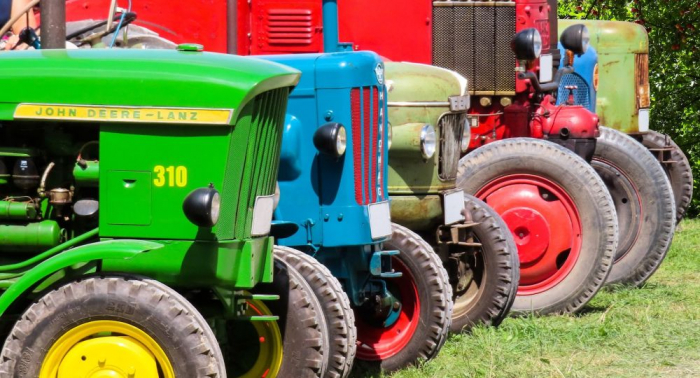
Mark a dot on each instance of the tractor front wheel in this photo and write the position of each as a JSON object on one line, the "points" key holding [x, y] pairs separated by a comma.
{"points": [[112, 326], [300, 334], [485, 276], [677, 168], [339, 316], [424, 308], [560, 214], [644, 203]]}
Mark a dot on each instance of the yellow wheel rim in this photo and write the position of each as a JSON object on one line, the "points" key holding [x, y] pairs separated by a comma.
{"points": [[269, 358], [106, 348]]}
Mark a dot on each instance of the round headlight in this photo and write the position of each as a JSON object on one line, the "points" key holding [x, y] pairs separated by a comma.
{"points": [[341, 141], [331, 139], [576, 38], [428, 141], [527, 44], [391, 135], [466, 135], [203, 206]]}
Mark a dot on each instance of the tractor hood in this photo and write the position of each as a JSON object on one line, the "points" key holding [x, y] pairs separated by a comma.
{"points": [[614, 37], [412, 82], [156, 78], [333, 71]]}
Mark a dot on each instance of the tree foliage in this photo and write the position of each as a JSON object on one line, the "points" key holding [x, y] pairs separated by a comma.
{"points": [[674, 34]]}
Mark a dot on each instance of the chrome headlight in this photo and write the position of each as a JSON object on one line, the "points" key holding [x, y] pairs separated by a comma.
{"points": [[576, 38], [203, 206], [527, 44], [331, 139], [466, 135], [428, 141]]}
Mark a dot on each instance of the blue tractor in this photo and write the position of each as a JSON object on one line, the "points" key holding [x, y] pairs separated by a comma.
{"points": [[334, 207]]}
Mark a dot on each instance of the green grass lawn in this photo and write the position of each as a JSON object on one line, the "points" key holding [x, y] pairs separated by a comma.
{"points": [[648, 332]]}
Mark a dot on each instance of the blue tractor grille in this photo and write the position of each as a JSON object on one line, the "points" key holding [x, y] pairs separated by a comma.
{"points": [[367, 105], [582, 95]]}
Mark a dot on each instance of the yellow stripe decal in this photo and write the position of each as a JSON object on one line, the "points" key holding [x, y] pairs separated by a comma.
{"points": [[124, 114]]}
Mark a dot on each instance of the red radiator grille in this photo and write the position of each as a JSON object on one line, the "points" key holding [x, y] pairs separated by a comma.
{"points": [[366, 142]]}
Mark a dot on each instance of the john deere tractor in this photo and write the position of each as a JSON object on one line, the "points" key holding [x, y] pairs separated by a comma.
{"points": [[136, 197]]}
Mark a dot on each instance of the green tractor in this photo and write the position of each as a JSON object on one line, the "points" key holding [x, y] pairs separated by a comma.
{"points": [[430, 130], [136, 197]]}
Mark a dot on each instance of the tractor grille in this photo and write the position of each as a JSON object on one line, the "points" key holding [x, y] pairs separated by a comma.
{"points": [[473, 38], [451, 127], [367, 143], [264, 119], [581, 95]]}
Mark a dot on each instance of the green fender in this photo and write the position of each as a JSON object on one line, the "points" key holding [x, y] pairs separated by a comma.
{"points": [[107, 250]]}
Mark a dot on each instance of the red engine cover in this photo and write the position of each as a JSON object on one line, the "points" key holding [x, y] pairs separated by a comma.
{"points": [[576, 121], [396, 29], [196, 21]]}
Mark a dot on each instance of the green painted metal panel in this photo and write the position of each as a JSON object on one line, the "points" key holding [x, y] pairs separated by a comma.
{"points": [[417, 94], [128, 199], [617, 44], [155, 78], [147, 175]]}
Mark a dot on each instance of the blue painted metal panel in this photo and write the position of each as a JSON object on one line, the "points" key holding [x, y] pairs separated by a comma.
{"points": [[585, 66], [317, 192]]}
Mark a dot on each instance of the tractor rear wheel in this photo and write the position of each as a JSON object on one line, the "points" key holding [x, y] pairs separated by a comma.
{"points": [[425, 297], [559, 212], [678, 169], [302, 328], [338, 313], [643, 198], [484, 278], [112, 326]]}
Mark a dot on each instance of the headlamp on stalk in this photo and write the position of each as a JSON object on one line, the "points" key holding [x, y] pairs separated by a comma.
{"points": [[202, 206], [428, 141], [527, 44], [576, 38], [331, 139]]}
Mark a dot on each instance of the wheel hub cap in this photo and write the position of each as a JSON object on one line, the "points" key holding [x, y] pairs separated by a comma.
{"points": [[545, 224]]}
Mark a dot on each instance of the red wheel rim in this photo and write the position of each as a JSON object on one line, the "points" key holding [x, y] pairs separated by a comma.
{"points": [[545, 224], [379, 343]]}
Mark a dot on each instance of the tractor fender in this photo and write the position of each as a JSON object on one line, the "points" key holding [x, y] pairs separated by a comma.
{"points": [[106, 250]]}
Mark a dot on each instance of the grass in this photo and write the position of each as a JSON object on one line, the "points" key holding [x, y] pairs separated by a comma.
{"points": [[649, 332]]}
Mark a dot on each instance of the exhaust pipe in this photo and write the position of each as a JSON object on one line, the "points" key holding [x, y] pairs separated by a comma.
{"points": [[53, 24]]}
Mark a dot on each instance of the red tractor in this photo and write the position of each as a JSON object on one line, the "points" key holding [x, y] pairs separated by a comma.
{"points": [[560, 212], [525, 182]]}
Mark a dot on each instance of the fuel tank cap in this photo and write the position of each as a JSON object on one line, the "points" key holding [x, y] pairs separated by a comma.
{"points": [[190, 47]]}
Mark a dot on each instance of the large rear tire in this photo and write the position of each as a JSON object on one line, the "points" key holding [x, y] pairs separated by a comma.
{"points": [[303, 328], [679, 171], [560, 213], [337, 311], [644, 203], [484, 278], [426, 308], [84, 324]]}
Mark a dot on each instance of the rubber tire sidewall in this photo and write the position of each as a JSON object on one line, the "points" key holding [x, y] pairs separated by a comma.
{"points": [[301, 321], [435, 294], [680, 173], [500, 257], [186, 338], [342, 333], [657, 220], [588, 192]]}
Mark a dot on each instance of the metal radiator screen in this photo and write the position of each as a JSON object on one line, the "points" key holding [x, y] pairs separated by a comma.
{"points": [[473, 38]]}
